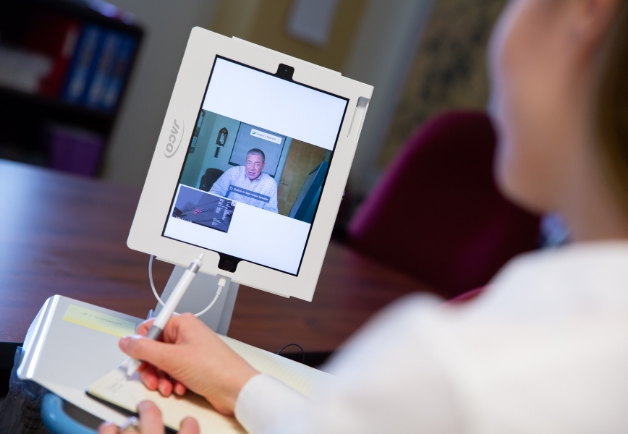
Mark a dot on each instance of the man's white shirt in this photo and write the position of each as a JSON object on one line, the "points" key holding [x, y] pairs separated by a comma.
{"points": [[236, 185]]}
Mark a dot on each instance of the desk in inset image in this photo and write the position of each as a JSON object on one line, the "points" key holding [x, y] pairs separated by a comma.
{"points": [[66, 235]]}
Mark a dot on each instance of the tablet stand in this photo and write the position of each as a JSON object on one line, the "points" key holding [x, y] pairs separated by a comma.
{"points": [[200, 293]]}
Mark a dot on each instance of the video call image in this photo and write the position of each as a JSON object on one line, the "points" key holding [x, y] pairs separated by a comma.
{"points": [[249, 164], [203, 209]]}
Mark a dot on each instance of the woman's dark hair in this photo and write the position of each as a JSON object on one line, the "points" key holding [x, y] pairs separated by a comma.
{"points": [[610, 110]]}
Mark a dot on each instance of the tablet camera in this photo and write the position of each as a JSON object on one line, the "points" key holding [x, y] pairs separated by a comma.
{"points": [[284, 71]]}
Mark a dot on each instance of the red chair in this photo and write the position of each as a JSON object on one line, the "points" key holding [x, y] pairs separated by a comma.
{"points": [[437, 214]]}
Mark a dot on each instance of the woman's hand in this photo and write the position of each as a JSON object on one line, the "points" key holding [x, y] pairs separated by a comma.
{"points": [[150, 423], [191, 356]]}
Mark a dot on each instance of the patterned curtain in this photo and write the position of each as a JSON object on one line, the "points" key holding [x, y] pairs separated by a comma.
{"points": [[449, 71]]}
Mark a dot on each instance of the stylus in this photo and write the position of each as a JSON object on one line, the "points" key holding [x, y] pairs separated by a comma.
{"points": [[168, 309]]}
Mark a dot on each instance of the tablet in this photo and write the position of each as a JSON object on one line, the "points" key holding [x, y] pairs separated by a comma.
{"points": [[250, 165]]}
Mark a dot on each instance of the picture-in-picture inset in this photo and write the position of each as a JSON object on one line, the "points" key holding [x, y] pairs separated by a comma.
{"points": [[255, 166], [203, 209]]}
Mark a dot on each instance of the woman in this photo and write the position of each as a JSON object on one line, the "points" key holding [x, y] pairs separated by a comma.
{"points": [[545, 349]]}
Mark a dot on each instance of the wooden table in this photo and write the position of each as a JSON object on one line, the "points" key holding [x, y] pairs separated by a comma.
{"points": [[66, 235]]}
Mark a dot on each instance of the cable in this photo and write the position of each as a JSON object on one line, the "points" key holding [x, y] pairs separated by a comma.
{"points": [[293, 345], [221, 284]]}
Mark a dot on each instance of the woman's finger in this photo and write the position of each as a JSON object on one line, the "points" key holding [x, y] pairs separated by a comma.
{"points": [[107, 428], [150, 418], [189, 425], [154, 352], [178, 388], [143, 327], [149, 377], [163, 383]]}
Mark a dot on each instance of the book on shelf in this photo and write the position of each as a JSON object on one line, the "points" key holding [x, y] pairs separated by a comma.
{"points": [[83, 63], [102, 72], [118, 73], [68, 58], [55, 36], [23, 70], [100, 68]]}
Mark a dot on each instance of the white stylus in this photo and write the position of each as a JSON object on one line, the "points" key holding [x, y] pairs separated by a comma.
{"points": [[168, 309]]}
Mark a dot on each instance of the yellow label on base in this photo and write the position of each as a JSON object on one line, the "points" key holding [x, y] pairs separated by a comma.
{"points": [[99, 321]]}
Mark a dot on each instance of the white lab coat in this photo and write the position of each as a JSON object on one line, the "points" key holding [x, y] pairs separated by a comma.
{"points": [[543, 350]]}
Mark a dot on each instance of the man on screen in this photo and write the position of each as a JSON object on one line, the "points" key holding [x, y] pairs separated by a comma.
{"points": [[247, 184]]}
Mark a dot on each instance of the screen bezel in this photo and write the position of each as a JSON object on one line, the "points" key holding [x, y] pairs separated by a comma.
{"points": [[323, 186]]}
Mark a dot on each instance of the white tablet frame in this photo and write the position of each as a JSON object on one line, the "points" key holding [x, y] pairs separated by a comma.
{"points": [[170, 154]]}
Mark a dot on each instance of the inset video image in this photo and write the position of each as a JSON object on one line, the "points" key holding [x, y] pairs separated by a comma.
{"points": [[203, 209], [255, 166]]}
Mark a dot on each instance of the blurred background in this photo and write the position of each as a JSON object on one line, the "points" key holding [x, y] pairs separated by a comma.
{"points": [[422, 56], [84, 86]]}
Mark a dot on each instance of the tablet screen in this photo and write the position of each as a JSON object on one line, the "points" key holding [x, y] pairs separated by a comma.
{"points": [[255, 167]]}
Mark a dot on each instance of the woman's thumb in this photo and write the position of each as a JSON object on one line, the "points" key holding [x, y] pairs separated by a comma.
{"points": [[147, 350]]}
